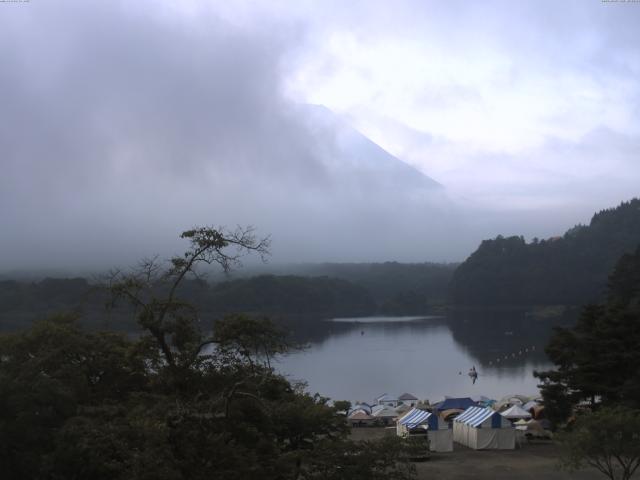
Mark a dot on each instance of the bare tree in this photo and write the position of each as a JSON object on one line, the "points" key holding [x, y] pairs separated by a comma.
{"points": [[152, 287]]}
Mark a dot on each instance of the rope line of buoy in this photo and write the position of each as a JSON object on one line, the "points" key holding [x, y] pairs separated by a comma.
{"points": [[532, 348]]}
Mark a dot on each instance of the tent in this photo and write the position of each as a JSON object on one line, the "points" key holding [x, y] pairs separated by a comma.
{"points": [[358, 418], [408, 399], [361, 406], [521, 424], [538, 412], [483, 428], [511, 400], [450, 414], [483, 401], [417, 422], [515, 413], [535, 429], [402, 409], [384, 413], [461, 403]]}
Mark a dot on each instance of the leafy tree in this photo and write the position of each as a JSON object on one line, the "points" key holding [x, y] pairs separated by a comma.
{"points": [[342, 405], [50, 373], [369, 460], [596, 361], [607, 440], [174, 403]]}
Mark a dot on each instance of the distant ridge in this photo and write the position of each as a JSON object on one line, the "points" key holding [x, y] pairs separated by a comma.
{"points": [[354, 153], [571, 269]]}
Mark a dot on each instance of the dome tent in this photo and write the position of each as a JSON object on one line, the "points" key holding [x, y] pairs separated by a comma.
{"points": [[514, 413]]}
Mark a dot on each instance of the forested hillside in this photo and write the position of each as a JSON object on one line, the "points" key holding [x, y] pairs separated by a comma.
{"points": [[351, 290], [270, 294], [571, 269], [397, 288]]}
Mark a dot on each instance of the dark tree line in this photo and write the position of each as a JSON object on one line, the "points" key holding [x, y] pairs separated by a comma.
{"points": [[331, 290], [568, 270], [597, 361]]}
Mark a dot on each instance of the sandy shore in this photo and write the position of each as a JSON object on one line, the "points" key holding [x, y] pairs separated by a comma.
{"points": [[536, 460]]}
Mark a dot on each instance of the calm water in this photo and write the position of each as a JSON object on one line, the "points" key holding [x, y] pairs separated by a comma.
{"points": [[360, 359]]}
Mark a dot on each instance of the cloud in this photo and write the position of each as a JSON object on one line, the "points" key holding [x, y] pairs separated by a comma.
{"points": [[123, 123], [487, 88]]}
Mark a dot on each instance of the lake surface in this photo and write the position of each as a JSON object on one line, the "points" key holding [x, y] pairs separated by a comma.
{"points": [[359, 359]]}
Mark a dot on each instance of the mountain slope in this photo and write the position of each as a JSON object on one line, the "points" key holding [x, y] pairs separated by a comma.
{"points": [[348, 152], [571, 269]]}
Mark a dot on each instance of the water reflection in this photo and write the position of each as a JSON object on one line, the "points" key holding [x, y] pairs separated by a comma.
{"points": [[429, 357]]}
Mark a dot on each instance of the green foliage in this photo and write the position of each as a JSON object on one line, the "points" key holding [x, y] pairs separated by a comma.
{"points": [[46, 375], [597, 360], [342, 405], [87, 405], [368, 460], [572, 269], [171, 404], [269, 294], [608, 440], [252, 340]]}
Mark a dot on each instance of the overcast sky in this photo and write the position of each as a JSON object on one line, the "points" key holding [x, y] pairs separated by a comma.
{"points": [[123, 123]]}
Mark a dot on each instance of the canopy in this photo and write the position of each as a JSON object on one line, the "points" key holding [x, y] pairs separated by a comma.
{"points": [[361, 406], [415, 417], [476, 416], [420, 421], [510, 400], [384, 411], [515, 412], [452, 412], [461, 403], [483, 428], [360, 415], [407, 396]]}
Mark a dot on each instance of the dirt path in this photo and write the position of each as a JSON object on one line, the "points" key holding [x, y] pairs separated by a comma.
{"points": [[534, 461]]}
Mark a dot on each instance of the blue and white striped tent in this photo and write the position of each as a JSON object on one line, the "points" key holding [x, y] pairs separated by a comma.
{"points": [[483, 428], [420, 421]]}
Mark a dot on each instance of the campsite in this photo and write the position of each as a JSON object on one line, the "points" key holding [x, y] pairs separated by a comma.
{"points": [[535, 460], [469, 438]]}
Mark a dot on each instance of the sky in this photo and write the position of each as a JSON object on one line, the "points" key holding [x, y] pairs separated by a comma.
{"points": [[123, 123]]}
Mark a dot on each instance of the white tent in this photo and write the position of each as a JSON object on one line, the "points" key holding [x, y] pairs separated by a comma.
{"points": [[417, 421], [384, 413], [515, 413], [483, 428]]}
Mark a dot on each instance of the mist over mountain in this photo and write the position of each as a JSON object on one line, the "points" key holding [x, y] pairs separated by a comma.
{"points": [[122, 164], [129, 123]]}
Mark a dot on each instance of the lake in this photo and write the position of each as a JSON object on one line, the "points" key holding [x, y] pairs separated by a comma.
{"points": [[359, 359]]}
